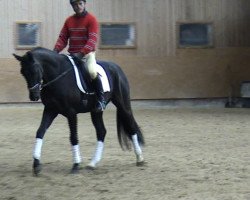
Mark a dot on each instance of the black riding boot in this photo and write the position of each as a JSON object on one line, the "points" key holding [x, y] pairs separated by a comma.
{"points": [[101, 103]]}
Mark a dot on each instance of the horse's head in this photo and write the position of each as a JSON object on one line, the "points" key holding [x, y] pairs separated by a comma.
{"points": [[32, 72]]}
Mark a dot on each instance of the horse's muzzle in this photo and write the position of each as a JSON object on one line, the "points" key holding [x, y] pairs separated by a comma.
{"points": [[35, 92], [34, 95]]}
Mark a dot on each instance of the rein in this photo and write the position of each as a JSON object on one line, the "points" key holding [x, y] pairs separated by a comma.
{"points": [[54, 80], [35, 86]]}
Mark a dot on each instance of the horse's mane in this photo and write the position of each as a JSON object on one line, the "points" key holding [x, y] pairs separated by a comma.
{"points": [[41, 50], [45, 54]]}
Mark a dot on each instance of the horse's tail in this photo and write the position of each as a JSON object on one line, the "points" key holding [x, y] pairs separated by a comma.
{"points": [[124, 129], [126, 124]]}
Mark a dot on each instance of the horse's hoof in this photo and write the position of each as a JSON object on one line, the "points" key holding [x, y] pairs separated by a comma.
{"points": [[37, 167], [75, 169], [37, 170], [139, 160], [141, 163], [91, 166]]}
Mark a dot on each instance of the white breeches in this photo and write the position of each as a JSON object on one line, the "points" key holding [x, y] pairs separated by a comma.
{"points": [[91, 64]]}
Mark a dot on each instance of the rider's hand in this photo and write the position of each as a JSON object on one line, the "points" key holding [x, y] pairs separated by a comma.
{"points": [[78, 55], [55, 50]]}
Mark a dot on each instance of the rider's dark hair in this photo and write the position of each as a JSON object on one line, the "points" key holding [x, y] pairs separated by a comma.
{"points": [[72, 1]]}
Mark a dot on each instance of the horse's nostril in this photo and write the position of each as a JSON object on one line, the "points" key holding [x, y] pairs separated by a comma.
{"points": [[34, 98]]}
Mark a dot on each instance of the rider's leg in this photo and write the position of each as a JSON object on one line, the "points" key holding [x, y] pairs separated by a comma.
{"points": [[91, 66], [101, 103]]}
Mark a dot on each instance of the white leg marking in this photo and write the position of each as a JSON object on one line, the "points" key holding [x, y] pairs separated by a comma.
{"points": [[137, 148], [136, 145], [98, 154], [76, 154], [37, 148]]}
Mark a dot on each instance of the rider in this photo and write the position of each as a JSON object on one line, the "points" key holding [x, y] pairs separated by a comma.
{"points": [[81, 29]]}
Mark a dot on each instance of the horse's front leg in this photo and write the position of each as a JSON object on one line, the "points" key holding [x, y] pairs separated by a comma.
{"points": [[97, 120], [47, 119], [72, 120]]}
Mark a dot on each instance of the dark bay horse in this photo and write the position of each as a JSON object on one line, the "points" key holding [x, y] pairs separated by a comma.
{"points": [[49, 76]]}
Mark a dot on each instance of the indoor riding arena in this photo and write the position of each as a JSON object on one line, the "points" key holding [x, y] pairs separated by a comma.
{"points": [[187, 63], [190, 153]]}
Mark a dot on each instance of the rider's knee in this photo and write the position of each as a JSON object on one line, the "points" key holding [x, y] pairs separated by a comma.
{"points": [[93, 74]]}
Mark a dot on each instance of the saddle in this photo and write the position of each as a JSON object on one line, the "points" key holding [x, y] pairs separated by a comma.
{"points": [[83, 79]]}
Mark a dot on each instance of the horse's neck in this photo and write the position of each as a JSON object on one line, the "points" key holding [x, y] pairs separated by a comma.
{"points": [[51, 69]]}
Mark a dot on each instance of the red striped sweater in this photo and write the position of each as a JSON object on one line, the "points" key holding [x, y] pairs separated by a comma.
{"points": [[81, 32]]}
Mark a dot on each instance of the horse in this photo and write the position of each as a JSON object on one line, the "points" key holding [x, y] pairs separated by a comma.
{"points": [[49, 77]]}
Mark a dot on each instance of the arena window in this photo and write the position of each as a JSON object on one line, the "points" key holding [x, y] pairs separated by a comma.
{"points": [[27, 35], [117, 35], [195, 34]]}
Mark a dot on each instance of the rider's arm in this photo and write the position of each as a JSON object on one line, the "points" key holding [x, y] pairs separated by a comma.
{"points": [[62, 40]]}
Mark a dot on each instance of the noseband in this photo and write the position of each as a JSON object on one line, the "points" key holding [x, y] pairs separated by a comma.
{"points": [[38, 85]]}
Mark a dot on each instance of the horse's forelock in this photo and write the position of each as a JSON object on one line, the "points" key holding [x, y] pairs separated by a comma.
{"points": [[29, 57]]}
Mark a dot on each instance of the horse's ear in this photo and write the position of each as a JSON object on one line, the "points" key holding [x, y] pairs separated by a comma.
{"points": [[29, 56], [19, 58]]}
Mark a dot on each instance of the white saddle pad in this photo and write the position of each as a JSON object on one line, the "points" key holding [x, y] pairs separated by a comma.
{"points": [[100, 71]]}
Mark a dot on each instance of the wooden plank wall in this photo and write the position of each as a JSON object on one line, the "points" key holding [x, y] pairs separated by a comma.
{"points": [[156, 21], [156, 69]]}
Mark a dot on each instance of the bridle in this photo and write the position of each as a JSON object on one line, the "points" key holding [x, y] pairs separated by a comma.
{"points": [[55, 79], [31, 89], [37, 85], [41, 85]]}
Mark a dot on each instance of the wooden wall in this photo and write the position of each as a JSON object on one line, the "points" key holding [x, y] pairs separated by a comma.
{"points": [[157, 68]]}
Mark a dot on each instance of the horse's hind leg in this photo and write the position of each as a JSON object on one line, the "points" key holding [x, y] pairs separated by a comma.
{"points": [[47, 119], [128, 127], [97, 120], [132, 131]]}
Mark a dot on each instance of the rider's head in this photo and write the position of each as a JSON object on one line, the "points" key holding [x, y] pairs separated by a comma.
{"points": [[78, 6], [73, 1]]}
